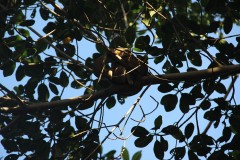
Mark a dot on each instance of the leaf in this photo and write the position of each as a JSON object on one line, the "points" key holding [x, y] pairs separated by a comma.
{"points": [[178, 152], [53, 88], [158, 122], [186, 100], [220, 88], [173, 131], [142, 42], [125, 154], [228, 24], [11, 157], [189, 130], [110, 154], [192, 155], [20, 73], [196, 91], [130, 35], [137, 155], [165, 87], [43, 93], [205, 105], [155, 51], [208, 86], [169, 102], [9, 68], [143, 141], [158, 150], [27, 23], [81, 123], [234, 121], [44, 13], [64, 79], [111, 102], [213, 115], [139, 131], [195, 58]]}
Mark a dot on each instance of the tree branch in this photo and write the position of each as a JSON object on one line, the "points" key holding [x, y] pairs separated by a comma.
{"points": [[146, 80]]}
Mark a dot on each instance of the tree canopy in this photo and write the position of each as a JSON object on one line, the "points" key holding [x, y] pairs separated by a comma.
{"points": [[189, 49]]}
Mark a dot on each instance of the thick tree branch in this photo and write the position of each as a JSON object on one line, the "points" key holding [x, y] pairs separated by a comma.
{"points": [[146, 80]]}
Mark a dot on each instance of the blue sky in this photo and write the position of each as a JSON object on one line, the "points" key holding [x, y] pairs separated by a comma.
{"points": [[114, 115]]}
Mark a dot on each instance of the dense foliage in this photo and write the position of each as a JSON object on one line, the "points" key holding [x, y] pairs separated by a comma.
{"points": [[191, 53]]}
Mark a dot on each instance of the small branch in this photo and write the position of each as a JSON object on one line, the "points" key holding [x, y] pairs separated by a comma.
{"points": [[117, 125], [14, 96], [225, 97]]}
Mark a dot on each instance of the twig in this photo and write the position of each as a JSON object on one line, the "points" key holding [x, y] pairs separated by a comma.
{"points": [[117, 125], [225, 97]]}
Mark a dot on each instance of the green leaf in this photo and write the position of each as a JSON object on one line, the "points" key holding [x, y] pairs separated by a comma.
{"points": [[24, 32], [228, 24], [137, 155], [125, 154], [189, 130], [169, 102], [110, 154], [111, 102], [139, 131], [43, 93], [143, 141], [40, 45], [130, 35], [195, 58], [158, 122]]}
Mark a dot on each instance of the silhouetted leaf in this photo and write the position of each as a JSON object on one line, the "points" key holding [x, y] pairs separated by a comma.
{"points": [[53, 88], [189, 130], [220, 88], [186, 100], [130, 35], [27, 23], [205, 105], [142, 42], [139, 131], [111, 101], [228, 24], [169, 102], [165, 87], [158, 122], [158, 150], [143, 141], [195, 58], [64, 79], [192, 155], [20, 73], [43, 93]]}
